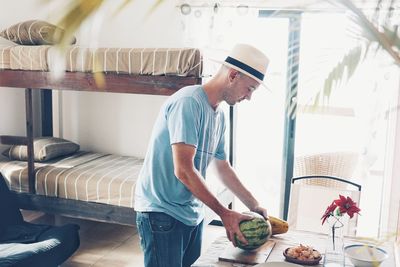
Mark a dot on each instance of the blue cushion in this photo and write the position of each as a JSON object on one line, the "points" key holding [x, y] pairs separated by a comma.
{"points": [[9, 211], [51, 248], [26, 244]]}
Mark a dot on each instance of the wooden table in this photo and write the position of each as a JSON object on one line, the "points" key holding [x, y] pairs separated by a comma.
{"points": [[209, 258]]}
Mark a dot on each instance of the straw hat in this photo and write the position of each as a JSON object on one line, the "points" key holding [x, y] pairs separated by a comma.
{"points": [[249, 61]]}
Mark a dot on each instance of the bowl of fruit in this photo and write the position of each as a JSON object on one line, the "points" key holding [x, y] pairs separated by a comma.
{"points": [[302, 254]]}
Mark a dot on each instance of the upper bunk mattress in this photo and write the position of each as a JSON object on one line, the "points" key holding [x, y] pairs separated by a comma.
{"points": [[5, 62], [139, 61]]}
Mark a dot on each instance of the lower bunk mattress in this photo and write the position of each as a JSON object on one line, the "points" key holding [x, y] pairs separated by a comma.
{"points": [[86, 176]]}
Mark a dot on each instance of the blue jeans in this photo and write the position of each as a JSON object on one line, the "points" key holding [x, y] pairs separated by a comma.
{"points": [[167, 242]]}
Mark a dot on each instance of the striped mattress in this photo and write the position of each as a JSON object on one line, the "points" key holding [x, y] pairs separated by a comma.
{"points": [[138, 61], [87, 176], [5, 49]]}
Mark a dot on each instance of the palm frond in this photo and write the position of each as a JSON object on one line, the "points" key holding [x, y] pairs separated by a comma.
{"points": [[315, 104], [154, 7], [345, 68], [373, 33], [80, 10], [121, 7], [365, 32], [392, 35], [73, 14]]}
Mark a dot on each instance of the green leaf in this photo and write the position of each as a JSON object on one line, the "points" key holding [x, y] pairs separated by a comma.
{"points": [[80, 10], [154, 7], [121, 7], [345, 68], [370, 31], [392, 35]]}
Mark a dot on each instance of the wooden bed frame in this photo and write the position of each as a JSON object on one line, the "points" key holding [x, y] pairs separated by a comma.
{"points": [[80, 81]]}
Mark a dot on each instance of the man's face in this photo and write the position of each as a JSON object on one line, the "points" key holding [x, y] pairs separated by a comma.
{"points": [[240, 87]]}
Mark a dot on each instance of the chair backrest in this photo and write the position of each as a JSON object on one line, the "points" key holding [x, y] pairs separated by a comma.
{"points": [[311, 195], [338, 164]]}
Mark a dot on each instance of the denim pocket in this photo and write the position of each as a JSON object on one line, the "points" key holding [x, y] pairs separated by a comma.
{"points": [[161, 222], [141, 229]]}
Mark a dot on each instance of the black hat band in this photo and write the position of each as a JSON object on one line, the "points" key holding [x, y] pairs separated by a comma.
{"points": [[245, 67]]}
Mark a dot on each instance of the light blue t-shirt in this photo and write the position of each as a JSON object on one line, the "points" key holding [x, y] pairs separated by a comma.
{"points": [[186, 117]]}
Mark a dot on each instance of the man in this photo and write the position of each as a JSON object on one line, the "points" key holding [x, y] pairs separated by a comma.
{"points": [[188, 134]]}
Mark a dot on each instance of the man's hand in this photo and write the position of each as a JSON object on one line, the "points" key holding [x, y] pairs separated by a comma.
{"points": [[231, 220], [262, 211]]}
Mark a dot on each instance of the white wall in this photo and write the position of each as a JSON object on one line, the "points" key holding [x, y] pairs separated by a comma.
{"points": [[113, 123], [12, 100], [121, 123], [110, 123], [12, 114]]}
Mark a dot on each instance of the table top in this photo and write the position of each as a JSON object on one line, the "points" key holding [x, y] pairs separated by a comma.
{"points": [[209, 258]]}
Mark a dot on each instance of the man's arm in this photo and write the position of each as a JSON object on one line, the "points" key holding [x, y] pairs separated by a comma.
{"points": [[229, 178], [183, 156]]}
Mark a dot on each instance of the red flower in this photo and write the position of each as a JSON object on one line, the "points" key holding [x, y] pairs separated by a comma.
{"points": [[328, 212], [346, 205]]}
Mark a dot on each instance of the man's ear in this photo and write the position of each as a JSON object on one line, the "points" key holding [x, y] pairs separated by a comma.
{"points": [[233, 74]]}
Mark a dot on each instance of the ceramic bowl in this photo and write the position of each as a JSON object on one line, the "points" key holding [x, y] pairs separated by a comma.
{"points": [[365, 255]]}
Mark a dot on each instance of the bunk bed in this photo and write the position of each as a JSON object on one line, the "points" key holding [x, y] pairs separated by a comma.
{"points": [[124, 70]]}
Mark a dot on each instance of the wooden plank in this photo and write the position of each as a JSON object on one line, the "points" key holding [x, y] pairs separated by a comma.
{"points": [[252, 257], [29, 134], [84, 81], [13, 140], [77, 209], [46, 107]]}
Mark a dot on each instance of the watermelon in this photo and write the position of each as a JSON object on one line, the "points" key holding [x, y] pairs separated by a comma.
{"points": [[256, 231]]}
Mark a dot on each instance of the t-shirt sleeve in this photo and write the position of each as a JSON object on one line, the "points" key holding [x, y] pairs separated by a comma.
{"points": [[183, 123]]}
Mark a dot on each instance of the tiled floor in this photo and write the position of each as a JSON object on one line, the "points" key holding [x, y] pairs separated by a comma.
{"points": [[104, 244]]}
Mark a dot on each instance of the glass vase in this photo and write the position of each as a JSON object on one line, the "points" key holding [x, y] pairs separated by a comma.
{"points": [[334, 254]]}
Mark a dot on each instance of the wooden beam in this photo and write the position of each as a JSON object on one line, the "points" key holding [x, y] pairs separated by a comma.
{"points": [[84, 81], [29, 136], [77, 209], [13, 140], [46, 108]]}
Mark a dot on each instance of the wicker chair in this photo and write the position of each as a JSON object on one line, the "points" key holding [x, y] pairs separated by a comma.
{"points": [[336, 164]]}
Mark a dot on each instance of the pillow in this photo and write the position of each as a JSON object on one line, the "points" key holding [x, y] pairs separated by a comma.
{"points": [[34, 32], [45, 148]]}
